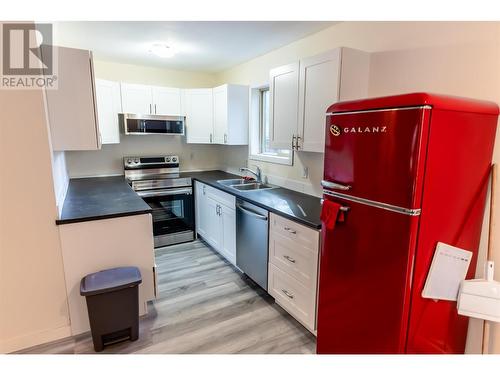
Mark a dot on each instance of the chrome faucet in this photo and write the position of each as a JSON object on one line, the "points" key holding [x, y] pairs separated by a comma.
{"points": [[257, 173]]}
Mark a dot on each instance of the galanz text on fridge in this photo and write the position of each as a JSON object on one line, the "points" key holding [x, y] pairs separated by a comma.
{"points": [[336, 130]]}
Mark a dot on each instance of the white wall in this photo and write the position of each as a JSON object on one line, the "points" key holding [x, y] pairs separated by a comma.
{"points": [[33, 307], [109, 160], [61, 178], [456, 58]]}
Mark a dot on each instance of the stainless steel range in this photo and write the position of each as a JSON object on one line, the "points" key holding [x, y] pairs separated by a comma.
{"points": [[157, 180]]}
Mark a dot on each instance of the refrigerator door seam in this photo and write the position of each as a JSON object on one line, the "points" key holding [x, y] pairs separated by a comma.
{"points": [[379, 110], [384, 206]]}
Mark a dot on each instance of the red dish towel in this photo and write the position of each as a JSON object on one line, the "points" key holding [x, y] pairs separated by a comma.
{"points": [[331, 213]]}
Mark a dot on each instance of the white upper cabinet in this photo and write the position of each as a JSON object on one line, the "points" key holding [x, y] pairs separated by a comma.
{"points": [[166, 101], [318, 89], [339, 74], [154, 100], [72, 106], [136, 98], [284, 95], [108, 107], [231, 114], [198, 108], [220, 114]]}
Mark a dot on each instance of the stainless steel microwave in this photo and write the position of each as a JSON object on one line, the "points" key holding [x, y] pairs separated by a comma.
{"points": [[152, 124]]}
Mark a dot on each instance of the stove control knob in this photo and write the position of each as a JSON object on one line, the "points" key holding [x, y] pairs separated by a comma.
{"points": [[167, 159], [174, 159], [129, 161]]}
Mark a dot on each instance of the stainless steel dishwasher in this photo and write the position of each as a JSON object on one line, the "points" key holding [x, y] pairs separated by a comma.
{"points": [[252, 237]]}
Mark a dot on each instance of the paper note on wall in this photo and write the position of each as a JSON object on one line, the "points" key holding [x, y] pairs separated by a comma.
{"points": [[448, 268]]}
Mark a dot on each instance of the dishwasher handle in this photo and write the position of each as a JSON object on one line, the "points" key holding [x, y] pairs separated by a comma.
{"points": [[251, 213]]}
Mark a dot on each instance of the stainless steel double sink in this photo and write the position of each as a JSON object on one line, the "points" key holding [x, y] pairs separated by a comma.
{"points": [[245, 185]]}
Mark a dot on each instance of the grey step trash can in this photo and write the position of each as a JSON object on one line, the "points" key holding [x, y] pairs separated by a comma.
{"points": [[113, 305]]}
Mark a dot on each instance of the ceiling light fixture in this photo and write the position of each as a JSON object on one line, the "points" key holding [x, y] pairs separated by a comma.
{"points": [[162, 50]]}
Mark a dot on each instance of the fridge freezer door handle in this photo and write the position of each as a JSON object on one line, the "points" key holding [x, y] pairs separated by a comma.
{"points": [[334, 185]]}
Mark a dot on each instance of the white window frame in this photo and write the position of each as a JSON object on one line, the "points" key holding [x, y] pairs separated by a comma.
{"points": [[254, 130]]}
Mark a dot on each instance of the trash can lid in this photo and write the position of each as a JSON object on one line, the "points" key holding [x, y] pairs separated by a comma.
{"points": [[110, 280]]}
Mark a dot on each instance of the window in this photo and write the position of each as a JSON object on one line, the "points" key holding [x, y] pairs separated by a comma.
{"points": [[260, 137]]}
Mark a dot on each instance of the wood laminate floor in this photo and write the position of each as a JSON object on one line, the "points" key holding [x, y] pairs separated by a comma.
{"points": [[205, 306]]}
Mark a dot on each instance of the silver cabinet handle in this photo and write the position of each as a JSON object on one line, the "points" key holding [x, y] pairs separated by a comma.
{"points": [[290, 230], [225, 138], [155, 108], [210, 137], [290, 259], [150, 109], [287, 293], [293, 141], [334, 185], [297, 146], [251, 213], [204, 186]]}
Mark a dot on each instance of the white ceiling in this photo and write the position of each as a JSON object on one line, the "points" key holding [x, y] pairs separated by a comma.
{"points": [[207, 46]]}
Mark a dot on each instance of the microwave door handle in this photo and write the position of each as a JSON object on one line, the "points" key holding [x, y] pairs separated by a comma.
{"points": [[160, 193]]}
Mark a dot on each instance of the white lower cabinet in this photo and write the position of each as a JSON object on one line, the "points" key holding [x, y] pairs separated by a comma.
{"points": [[293, 268], [216, 219]]}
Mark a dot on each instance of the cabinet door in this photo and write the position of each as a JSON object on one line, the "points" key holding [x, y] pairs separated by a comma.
{"points": [[136, 98], [166, 101], [72, 107], [213, 233], [220, 114], [108, 108], [199, 115], [228, 216], [318, 89], [284, 91], [237, 115]]}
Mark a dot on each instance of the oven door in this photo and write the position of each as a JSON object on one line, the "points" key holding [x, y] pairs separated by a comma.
{"points": [[173, 214]]}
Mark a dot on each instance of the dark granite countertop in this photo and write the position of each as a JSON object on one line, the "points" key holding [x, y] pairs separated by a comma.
{"points": [[97, 198], [302, 208]]}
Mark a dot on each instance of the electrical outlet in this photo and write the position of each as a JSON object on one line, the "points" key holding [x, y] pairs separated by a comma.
{"points": [[305, 172]]}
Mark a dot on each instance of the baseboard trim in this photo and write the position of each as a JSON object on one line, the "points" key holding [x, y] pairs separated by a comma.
{"points": [[33, 339]]}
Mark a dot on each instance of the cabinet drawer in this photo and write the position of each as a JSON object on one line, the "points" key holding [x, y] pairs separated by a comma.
{"points": [[221, 197], [293, 258], [300, 234], [297, 299]]}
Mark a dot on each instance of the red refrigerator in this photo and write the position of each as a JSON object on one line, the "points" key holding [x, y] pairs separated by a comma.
{"points": [[411, 170]]}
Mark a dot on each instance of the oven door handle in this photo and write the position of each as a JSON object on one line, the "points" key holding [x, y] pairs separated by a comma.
{"points": [[159, 193]]}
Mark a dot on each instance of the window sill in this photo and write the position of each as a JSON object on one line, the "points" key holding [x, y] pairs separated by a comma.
{"points": [[272, 159]]}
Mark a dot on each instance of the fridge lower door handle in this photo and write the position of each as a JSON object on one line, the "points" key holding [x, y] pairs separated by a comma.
{"points": [[383, 206], [342, 208]]}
